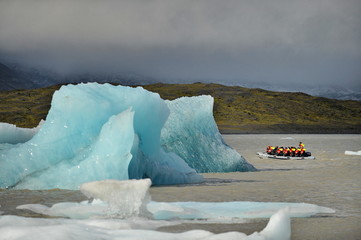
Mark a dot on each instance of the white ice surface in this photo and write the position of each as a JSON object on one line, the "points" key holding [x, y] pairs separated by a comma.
{"points": [[353, 152], [129, 198], [121, 216], [211, 211], [16, 228]]}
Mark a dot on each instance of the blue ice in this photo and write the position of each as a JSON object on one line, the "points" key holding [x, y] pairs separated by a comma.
{"points": [[11, 134], [100, 131], [192, 133]]}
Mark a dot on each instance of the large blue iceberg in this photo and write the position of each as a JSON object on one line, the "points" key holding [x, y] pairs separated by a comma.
{"points": [[191, 132], [100, 131]]}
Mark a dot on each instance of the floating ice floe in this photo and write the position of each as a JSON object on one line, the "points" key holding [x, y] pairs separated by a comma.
{"points": [[126, 212], [353, 153], [287, 138], [100, 131], [21, 228], [124, 199]]}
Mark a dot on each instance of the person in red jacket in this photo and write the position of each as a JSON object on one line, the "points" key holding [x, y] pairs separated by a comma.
{"points": [[280, 151], [287, 151]]}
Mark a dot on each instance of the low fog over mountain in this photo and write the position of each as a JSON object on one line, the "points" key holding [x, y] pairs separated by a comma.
{"points": [[14, 77], [280, 45]]}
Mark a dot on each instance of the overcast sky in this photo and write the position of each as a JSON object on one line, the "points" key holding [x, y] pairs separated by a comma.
{"points": [[226, 41]]}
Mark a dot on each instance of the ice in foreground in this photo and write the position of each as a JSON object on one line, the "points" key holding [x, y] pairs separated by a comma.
{"points": [[124, 211], [16, 228], [99, 131]]}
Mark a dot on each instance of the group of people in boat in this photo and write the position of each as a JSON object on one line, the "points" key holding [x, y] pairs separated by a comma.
{"points": [[292, 151]]}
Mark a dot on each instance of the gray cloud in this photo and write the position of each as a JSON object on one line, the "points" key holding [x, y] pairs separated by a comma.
{"points": [[232, 40]]}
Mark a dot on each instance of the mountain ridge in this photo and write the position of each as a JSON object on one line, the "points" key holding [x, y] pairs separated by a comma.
{"points": [[19, 77]]}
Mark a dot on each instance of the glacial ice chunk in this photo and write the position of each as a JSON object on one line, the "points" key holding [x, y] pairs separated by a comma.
{"points": [[278, 227], [192, 133], [352, 152], [16, 228], [126, 198], [107, 157], [100, 131], [230, 210], [130, 198], [9, 133]]}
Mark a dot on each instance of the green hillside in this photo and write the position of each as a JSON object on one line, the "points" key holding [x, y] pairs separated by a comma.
{"points": [[236, 109]]}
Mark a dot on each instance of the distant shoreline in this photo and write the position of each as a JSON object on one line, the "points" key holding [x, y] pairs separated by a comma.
{"points": [[341, 131], [288, 130], [236, 110]]}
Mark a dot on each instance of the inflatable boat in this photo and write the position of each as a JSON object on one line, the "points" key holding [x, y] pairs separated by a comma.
{"points": [[266, 155]]}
